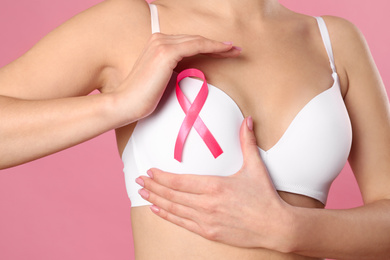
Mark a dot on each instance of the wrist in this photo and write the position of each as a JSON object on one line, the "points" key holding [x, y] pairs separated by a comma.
{"points": [[120, 109], [292, 228], [302, 230], [288, 230]]}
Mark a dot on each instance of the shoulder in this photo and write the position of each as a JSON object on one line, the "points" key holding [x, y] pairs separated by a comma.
{"points": [[352, 55], [110, 22], [125, 31], [132, 14], [136, 9], [343, 32], [127, 19], [339, 24], [349, 45]]}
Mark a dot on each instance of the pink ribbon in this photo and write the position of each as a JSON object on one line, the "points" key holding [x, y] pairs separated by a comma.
{"points": [[192, 118]]}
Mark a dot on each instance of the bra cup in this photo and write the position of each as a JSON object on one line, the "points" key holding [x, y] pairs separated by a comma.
{"points": [[306, 160], [153, 140], [314, 150]]}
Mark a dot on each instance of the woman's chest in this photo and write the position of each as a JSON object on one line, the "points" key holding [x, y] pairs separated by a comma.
{"points": [[270, 88]]}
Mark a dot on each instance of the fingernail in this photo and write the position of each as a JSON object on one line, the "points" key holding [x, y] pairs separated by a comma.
{"points": [[155, 209], [150, 173], [144, 194], [249, 122], [140, 182], [228, 43], [237, 48]]}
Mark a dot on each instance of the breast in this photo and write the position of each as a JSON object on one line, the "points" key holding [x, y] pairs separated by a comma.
{"points": [[152, 143], [314, 148], [307, 158]]}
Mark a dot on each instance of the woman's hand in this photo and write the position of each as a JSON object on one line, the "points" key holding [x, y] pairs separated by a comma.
{"points": [[245, 204], [152, 71], [58, 115]]}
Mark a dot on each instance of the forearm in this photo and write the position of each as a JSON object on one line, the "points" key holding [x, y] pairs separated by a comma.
{"points": [[33, 129], [358, 233]]}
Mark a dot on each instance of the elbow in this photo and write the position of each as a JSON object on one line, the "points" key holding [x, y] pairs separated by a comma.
{"points": [[3, 162], [5, 159]]}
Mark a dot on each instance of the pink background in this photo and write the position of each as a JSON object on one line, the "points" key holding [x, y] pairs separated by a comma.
{"points": [[73, 204]]}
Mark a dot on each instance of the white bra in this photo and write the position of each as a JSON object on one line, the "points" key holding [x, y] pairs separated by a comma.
{"points": [[306, 159]]}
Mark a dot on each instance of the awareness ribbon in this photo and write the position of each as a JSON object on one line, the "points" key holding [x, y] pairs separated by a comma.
{"points": [[192, 118]]}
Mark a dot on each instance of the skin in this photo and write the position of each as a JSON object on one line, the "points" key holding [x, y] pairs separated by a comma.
{"points": [[47, 110], [149, 231], [51, 95], [195, 202]]}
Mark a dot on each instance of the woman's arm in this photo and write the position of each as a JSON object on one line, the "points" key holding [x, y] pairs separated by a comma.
{"points": [[364, 232], [43, 107], [212, 206]]}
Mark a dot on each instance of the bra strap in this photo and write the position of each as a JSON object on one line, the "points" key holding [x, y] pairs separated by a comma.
{"points": [[326, 39], [154, 18]]}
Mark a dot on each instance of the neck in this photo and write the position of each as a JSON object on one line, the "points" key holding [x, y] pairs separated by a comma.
{"points": [[232, 9]]}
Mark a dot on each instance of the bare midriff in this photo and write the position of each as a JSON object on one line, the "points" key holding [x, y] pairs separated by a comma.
{"points": [[156, 238]]}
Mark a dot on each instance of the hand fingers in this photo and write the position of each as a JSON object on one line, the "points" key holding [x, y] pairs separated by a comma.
{"points": [[248, 141], [253, 164], [219, 49], [169, 206], [201, 45], [232, 53], [186, 199], [181, 46], [189, 183]]}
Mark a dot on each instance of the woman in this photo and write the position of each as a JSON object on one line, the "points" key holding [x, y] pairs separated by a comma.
{"points": [[144, 221]]}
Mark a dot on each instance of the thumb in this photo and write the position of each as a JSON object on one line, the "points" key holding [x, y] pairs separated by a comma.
{"points": [[249, 147]]}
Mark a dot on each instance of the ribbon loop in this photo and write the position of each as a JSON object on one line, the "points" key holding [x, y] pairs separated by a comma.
{"points": [[192, 118]]}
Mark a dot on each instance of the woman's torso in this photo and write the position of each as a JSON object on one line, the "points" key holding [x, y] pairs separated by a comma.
{"points": [[289, 45]]}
